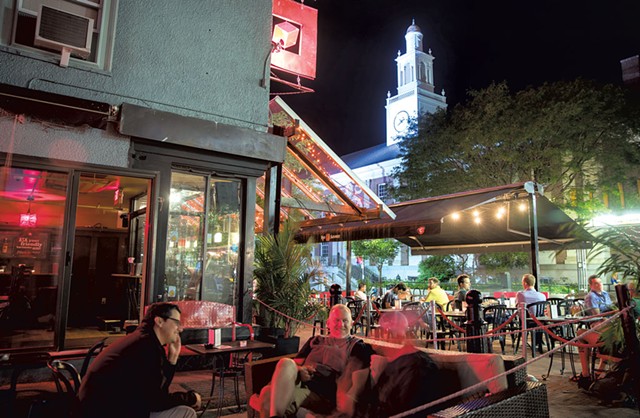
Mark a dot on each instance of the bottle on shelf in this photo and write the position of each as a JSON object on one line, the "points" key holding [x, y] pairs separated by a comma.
{"points": [[5, 246]]}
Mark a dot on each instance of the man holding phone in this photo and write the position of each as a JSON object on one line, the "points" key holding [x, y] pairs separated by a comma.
{"points": [[321, 368], [131, 377]]}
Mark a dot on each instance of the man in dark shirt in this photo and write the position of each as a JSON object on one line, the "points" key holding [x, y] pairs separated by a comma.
{"points": [[321, 369], [131, 377], [464, 284], [389, 299]]}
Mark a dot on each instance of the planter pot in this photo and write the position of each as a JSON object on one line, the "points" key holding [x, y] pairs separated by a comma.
{"points": [[283, 346], [270, 332]]}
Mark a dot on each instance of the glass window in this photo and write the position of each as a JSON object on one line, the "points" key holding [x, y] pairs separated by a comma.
{"points": [[382, 191], [108, 258], [32, 213]]}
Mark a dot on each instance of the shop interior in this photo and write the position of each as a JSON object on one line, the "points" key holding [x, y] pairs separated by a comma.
{"points": [[108, 217]]}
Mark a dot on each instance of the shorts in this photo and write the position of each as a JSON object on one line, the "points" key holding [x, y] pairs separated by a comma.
{"points": [[303, 397]]}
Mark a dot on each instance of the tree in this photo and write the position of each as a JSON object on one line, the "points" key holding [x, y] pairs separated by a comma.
{"points": [[378, 252], [495, 262], [440, 266], [575, 137]]}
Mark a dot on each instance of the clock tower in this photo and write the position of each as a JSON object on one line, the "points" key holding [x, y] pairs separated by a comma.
{"points": [[415, 86]]}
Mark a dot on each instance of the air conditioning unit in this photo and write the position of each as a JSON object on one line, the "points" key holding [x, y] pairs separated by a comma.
{"points": [[63, 31]]}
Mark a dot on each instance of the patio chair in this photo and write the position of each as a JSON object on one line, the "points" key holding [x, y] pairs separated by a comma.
{"points": [[567, 332], [358, 315], [450, 305], [494, 316], [93, 351], [538, 309], [63, 402]]}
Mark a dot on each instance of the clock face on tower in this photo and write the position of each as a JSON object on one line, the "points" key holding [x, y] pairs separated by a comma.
{"points": [[401, 121]]}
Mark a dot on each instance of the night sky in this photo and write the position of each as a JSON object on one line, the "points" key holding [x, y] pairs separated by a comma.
{"points": [[474, 43]]}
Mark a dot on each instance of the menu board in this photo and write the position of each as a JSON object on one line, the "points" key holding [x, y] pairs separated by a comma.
{"points": [[31, 245]]}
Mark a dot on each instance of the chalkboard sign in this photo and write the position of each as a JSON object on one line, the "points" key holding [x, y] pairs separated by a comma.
{"points": [[31, 245]]}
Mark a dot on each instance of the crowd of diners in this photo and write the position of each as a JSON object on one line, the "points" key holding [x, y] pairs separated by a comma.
{"points": [[335, 375]]}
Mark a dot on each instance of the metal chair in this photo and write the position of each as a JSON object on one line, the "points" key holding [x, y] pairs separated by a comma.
{"points": [[567, 332], [412, 312], [450, 305], [93, 351], [357, 314], [538, 309], [61, 404], [494, 316]]}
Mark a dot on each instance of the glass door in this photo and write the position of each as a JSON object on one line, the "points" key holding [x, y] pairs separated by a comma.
{"points": [[222, 241], [203, 238], [108, 257], [183, 263]]}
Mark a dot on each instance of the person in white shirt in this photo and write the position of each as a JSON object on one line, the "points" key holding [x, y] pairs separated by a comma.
{"points": [[529, 294], [361, 293]]}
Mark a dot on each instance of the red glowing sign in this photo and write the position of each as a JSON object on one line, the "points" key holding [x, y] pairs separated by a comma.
{"points": [[28, 220], [295, 38]]}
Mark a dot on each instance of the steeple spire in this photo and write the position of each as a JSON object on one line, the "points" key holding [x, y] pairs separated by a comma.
{"points": [[413, 37]]}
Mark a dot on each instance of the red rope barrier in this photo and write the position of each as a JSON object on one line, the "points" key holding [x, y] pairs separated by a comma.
{"points": [[546, 329], [504, 324], [454, 325]]}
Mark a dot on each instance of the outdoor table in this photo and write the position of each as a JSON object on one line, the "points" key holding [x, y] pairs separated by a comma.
{"points": [[454, 314], [219, 366]]}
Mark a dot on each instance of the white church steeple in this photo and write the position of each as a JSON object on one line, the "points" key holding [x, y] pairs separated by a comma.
{"points": [[415, 86], [413, 37]]}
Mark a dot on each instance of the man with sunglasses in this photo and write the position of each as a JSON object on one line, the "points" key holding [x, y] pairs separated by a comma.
{"points": [[131, 377]]}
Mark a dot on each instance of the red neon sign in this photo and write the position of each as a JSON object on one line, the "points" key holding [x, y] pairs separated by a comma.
{"points": [[295, 38]]}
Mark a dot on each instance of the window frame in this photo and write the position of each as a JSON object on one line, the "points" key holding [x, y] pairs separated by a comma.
{"points": [[385, 192], [104, 30]]}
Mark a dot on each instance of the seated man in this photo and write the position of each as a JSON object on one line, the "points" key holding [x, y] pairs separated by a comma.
{"points": [[464, 285], [312, 379], [529, 294], [437, 293], [361, 293], [131, 377], [389, 298], [597, 300], [593, 338]]}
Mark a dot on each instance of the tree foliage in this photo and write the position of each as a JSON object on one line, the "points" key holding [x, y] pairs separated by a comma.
{"points": [[622, 245], [570, 136], [377, 251], [495, 262], [441, 266], [284, 272]]}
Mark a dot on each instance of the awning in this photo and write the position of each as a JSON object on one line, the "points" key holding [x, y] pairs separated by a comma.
{"points": [[484, 220], [317, 186]]}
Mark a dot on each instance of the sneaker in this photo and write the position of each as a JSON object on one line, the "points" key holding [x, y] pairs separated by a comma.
{"points": [[584, 382]]}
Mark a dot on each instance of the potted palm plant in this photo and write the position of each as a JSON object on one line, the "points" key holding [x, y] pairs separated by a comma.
{"points": [[283, 273], [623, 247]]}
